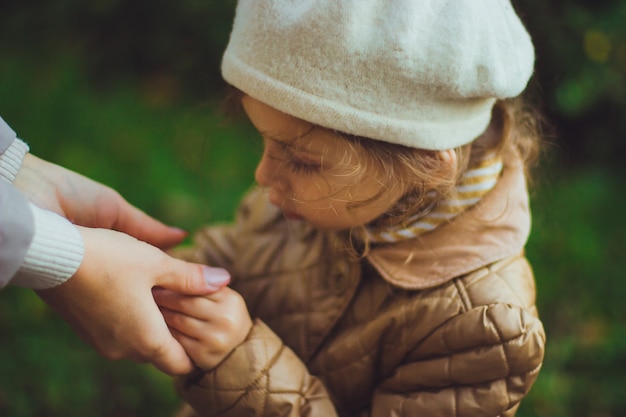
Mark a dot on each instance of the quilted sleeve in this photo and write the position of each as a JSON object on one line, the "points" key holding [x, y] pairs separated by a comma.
{"points": [[261, 377], [479, 363]]}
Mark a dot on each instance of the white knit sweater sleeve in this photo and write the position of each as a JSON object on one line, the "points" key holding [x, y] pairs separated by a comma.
{"points": [[55, 253], [56, 249], [11, 159]]}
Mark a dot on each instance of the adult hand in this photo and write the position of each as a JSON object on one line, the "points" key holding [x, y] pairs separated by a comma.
{"points": [[209, 327], [109, 300], [88, 203]]}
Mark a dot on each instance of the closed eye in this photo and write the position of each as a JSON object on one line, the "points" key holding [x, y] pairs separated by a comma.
{"points": [[287, 154], [301, 167]]}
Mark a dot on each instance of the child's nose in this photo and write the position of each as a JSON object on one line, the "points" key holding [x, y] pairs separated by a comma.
{"points": [[267, 172]]}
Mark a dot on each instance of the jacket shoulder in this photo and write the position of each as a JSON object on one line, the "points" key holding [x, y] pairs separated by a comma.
{"points": [[508, 281], [487, 349], [495, 309]]}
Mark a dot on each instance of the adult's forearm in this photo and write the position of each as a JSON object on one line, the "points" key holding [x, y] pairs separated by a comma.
{"points": [[38, 249], [16, 220], [7, 136], [16, 231]]}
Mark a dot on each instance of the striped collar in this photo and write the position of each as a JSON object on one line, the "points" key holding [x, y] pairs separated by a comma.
{"points": [[495, 228], [473, 185]]}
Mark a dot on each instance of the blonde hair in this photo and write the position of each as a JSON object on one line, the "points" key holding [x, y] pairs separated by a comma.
{"points": [[429, 178], [514, 129]]}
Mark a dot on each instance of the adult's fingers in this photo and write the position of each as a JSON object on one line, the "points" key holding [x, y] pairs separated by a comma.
{"points": [[192, 279], [171, 358], [130, 220]]}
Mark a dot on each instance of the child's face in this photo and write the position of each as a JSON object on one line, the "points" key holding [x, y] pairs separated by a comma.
{"points": [[305, 172]]}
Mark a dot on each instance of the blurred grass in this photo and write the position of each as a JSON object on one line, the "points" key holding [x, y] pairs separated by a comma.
{"points": [[181, 164], [577, 248], [174, 161]]}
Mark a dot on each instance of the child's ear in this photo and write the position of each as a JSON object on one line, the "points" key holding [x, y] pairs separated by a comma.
{"points": [[450, 165], [444, 169], [449, 156]]}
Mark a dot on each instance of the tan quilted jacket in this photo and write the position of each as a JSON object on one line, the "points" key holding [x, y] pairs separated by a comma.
{"points": [[443, 325]]}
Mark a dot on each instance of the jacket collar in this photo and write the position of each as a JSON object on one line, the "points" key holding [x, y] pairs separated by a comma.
{"points": [[494, 229]]}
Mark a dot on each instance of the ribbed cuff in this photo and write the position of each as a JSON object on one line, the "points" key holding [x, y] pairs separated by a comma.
{"points": [[11, 159], [55, 253]]}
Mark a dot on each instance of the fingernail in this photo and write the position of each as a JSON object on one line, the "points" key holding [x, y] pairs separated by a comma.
{"points": [[215, 277]]}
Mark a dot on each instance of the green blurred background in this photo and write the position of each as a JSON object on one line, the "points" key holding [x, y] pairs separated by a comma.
{"points": [[128, 93]]}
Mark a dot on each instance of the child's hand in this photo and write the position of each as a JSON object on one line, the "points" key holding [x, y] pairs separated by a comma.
{"points": [[209, 327]]}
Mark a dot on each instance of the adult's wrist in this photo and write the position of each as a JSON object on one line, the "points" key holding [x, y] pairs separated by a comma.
{"points": [[56, 252], [11, 159]]}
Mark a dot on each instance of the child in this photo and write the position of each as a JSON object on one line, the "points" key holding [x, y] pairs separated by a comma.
{"points": [[379, 268]]}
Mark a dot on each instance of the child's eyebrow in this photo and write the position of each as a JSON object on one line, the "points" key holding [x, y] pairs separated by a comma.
{"points": [[290, 144]]}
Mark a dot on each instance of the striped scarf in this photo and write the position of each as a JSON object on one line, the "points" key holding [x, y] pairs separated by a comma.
{"points": [[473, 185]]}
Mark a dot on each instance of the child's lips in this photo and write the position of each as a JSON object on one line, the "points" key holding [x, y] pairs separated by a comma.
{"points": [[291, 215]]}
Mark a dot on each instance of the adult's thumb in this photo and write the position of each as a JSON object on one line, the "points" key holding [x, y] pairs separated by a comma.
{"points": [[195, 279]]}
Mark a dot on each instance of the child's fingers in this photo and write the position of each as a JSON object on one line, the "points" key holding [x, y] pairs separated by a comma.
{"points": [[194, 306], [184, 324], [197, 350], [182, 338], [189, 343]]}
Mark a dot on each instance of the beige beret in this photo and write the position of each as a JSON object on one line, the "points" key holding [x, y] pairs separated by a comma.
{"points": [[421, 73]]}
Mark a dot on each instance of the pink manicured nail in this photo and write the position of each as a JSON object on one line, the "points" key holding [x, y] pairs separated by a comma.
{"points": [[216, 278]]}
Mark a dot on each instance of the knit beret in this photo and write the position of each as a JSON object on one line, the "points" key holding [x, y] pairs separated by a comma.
{"points": [[421, 73]]}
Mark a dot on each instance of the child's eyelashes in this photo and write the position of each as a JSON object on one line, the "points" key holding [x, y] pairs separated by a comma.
{"points": [[298, 165], [301, 167], [279, 151]]}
